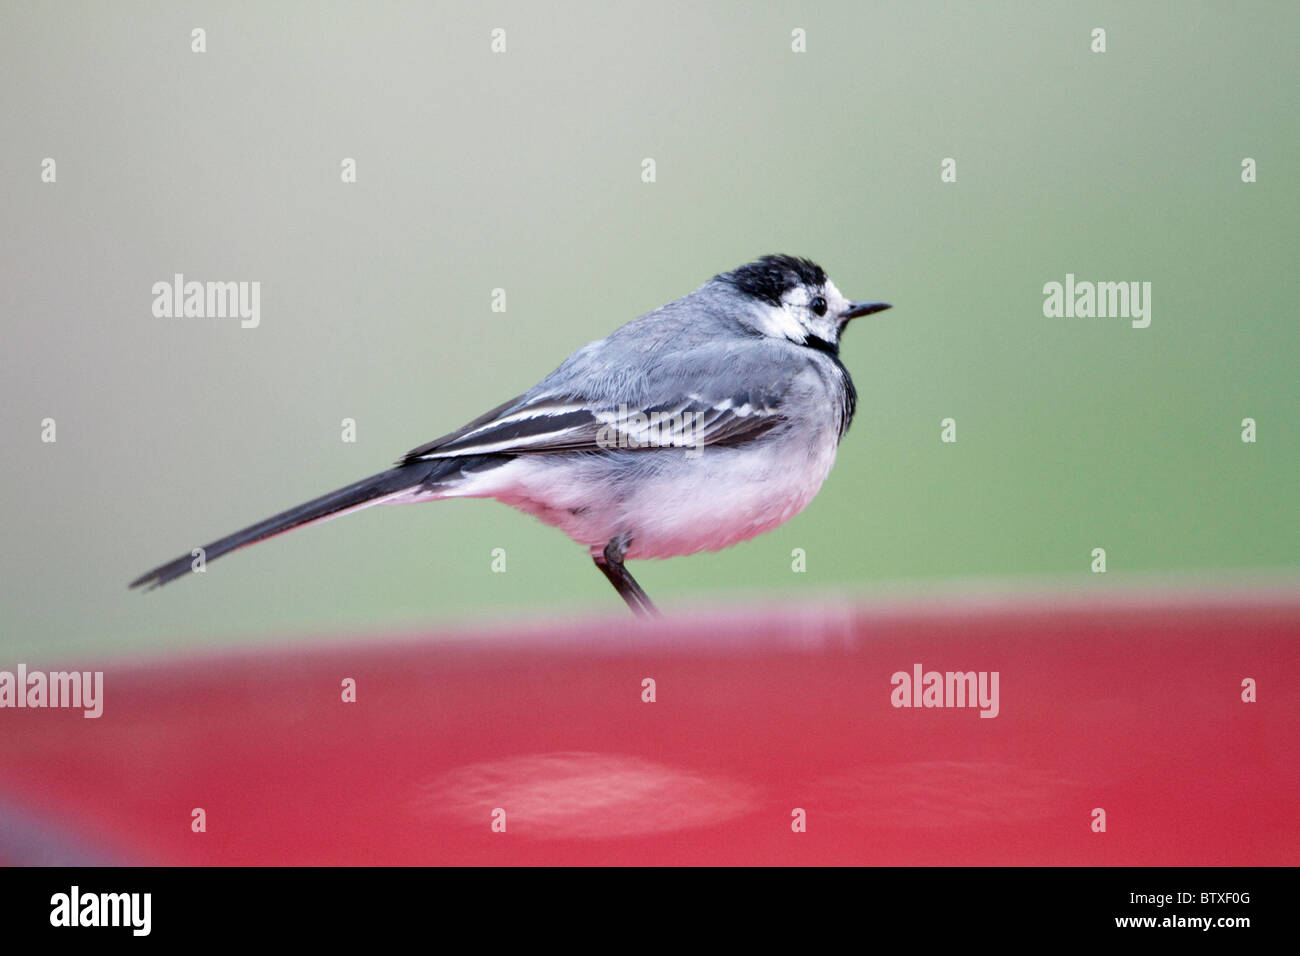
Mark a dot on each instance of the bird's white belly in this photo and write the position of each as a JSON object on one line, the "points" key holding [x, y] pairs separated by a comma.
{"points": [[727, 501], [669, 504]]}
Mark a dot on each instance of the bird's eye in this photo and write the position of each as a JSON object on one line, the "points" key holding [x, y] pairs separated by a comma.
{"points": [[818, 305]]}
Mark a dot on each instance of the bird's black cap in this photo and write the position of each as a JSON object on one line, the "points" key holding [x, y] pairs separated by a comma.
{"points": [[770, 277]]}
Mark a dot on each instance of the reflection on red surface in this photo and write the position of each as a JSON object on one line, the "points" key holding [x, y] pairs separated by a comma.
{"points": [[1133, 709]]}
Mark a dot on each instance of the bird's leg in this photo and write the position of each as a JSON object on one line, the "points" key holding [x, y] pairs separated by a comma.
{"points": [[610, 562]]}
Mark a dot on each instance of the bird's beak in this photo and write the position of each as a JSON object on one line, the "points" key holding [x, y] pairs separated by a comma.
{"points": [[857, 309]]}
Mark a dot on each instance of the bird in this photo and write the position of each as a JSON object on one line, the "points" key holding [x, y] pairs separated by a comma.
{"points": [[701, 424]]}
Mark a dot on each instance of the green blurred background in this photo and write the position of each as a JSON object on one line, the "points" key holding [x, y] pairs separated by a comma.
{"points": [[522, 171]]}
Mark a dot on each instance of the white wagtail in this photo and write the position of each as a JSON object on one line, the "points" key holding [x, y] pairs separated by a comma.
{"points": [[701, 424]]}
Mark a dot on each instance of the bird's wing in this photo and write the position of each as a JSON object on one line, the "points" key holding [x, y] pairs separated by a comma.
{"points": [[691, 399]]}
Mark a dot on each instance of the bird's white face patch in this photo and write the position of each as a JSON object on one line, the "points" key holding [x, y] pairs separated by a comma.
{"points": [[794, 318]]}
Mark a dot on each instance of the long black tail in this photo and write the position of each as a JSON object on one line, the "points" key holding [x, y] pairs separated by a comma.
{"points": [[361, 493]]}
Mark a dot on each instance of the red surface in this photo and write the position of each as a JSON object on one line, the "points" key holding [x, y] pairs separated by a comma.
{"points": [[1134, 710]]}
